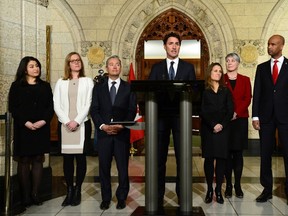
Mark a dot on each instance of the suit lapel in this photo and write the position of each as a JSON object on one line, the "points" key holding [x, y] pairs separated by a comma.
{"points": [[268, 71], [120, 89], [284, 69], [179, 68], [164, 65], [106, 93]]}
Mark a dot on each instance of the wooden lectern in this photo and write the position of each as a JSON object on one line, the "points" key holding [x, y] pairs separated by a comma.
{"points": [[189, 91]]}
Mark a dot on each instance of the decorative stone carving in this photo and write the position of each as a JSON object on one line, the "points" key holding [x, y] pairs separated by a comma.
{"points": [[43, 3], [148, 10], [96, 52], [249, 50], [96, 55]]}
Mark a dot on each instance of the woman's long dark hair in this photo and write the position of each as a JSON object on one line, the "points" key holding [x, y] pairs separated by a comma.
{"points": [[22, 69]]}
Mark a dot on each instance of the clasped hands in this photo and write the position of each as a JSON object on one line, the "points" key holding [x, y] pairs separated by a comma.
{"points": [[35, 125], [217, 128], [72, 126], [112, 129]]}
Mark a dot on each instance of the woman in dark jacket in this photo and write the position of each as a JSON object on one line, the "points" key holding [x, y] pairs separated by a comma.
{"points": [[31, 105], [216, 114]]}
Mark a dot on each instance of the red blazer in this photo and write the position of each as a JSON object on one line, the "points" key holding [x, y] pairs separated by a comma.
{"points": [[242, 94]]}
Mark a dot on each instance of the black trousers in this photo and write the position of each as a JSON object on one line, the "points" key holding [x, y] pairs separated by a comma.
{"points": [[267, 144]]}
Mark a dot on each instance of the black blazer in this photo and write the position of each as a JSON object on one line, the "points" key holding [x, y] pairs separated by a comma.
{"points": [[268, 99], [102, 110], [168, 104]]}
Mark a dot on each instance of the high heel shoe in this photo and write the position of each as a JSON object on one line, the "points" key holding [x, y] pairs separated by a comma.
{"points": [[77, 196], [219, 198], [238, 191], [27, 203], [68, 199], [228, 191], [209, 197]]}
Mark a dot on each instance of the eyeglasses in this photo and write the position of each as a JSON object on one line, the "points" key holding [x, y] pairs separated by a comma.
{"points": [[75, 61]]}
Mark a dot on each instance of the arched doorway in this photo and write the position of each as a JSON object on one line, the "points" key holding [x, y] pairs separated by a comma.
{"points": [[171, 21]]}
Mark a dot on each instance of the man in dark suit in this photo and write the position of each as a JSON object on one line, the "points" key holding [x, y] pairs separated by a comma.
{"points": [[172, 68], [113, 139], [269, 111]]}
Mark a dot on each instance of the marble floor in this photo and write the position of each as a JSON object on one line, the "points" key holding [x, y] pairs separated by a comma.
{"points": [[91, 194]]}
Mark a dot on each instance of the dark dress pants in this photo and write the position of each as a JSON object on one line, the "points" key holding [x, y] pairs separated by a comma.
{"points": [[107, 148]]}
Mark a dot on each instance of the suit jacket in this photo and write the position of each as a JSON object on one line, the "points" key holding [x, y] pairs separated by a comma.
{"points": [[270, 100], [169, 104], [123, 109], [241, 94]]}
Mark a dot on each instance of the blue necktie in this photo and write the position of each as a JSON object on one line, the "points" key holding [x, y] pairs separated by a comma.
{"points": [[113, 92], [171, 71]]}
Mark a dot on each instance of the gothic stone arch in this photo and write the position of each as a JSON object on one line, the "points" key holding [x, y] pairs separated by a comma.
{"points": [[171, 20]]}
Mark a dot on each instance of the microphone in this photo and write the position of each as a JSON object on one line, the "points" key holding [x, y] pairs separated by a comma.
{"points": [[101, 72]]}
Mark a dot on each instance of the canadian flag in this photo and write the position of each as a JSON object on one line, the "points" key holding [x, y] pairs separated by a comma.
{"points": [[135, 134]]}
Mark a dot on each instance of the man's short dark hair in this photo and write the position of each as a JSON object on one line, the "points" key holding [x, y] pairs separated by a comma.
{"points": [[171, 34]]}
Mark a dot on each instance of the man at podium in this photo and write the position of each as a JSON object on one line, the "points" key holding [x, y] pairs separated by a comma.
{"points": [[171, 68]]}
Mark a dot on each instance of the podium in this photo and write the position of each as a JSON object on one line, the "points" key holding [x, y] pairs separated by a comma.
{"points": [[188, 91]]}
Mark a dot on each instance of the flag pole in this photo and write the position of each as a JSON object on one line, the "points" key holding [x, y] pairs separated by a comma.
{"points": [[134, 135]]}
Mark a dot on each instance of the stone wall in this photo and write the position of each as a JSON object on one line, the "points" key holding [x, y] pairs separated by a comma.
{"points": [[99, 28], [22, 32]]}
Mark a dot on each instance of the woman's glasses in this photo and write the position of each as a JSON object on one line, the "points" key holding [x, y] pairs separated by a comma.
{"points": [[74, 61]]}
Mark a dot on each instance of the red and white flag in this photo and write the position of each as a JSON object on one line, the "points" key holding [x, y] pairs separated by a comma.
{"points": [[135, 134]]}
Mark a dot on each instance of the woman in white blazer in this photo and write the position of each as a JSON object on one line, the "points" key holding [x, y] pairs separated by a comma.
{"points": [[72, 101]]}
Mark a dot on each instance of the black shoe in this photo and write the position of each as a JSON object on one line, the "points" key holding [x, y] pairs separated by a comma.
{"points": [[68, 199], [228, 191], [76, 200], [209, 197], [264, 197], [36, 200], [105, 205], [219, 198], [238, 191], [121, 204], [27, 204]]}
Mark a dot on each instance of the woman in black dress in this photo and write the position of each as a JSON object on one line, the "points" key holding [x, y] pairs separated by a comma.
{"points": [[216, 114], [31, 106]]}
